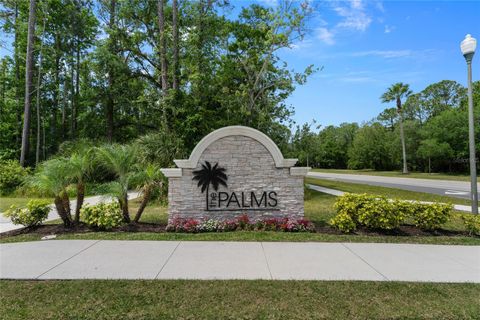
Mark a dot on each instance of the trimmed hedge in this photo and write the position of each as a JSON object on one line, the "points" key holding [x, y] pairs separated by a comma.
{"points": [[377, 212]]}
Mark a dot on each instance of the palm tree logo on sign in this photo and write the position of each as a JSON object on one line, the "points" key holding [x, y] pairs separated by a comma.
{"points": [[210, 175]]}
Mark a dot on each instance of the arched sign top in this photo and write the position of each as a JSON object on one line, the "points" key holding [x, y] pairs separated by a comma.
{"points": [[192, 161]]}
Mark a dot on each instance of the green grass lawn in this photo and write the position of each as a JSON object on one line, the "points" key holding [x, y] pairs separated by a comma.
{"points": [[418, 175], [384, 191], [177, 299], [6, 202]]}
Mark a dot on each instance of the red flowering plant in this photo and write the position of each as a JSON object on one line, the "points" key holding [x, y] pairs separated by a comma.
{"points": [[305, 225], [173, 225], [183, 225], [271, 224], [243, 222], [229, 225], [191, 225]]}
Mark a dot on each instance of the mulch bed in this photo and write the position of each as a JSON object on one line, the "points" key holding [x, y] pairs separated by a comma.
{"points": [[404, 230], [83, 228]]}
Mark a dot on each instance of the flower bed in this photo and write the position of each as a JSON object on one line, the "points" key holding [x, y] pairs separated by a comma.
{"points": [[241, 223]]}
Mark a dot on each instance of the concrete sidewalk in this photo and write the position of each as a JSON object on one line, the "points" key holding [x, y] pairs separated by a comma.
{"points": [[7, 225], [92, 259]]}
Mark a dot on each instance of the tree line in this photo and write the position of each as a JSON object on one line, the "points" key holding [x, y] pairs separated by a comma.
{"points": [[166, 72], [424, 131]]}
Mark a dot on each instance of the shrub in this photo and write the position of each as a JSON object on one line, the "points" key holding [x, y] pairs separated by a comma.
{"points": [[431, 216], [343, 222], [350, 204], [35, 213], [376, 212], [12, 175], [103, 216], [381, 214], [472, 223]]}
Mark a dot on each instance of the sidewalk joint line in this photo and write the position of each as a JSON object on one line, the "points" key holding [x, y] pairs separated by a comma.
{"points": [[168, 259], [343, 244], [76, 254], [266, 261]]}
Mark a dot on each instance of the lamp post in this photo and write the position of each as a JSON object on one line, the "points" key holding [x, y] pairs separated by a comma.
{"points": [[468, 46]]}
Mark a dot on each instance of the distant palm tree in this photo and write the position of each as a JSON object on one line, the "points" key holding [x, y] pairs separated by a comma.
{"points": [[397, 92], [210, 175]]}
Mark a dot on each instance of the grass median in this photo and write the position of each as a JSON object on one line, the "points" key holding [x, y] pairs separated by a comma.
{"points": [[399, 174]]}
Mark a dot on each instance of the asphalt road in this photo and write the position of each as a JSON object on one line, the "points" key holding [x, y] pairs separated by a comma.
{"points": [[457, 189]]}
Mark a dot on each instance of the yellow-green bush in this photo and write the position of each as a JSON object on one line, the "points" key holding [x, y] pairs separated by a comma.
{"points": [[431, 216], [35, 213], [377, 212], [380, 214], [351, 203], [103, 216], [472, 223], [343, 222]]}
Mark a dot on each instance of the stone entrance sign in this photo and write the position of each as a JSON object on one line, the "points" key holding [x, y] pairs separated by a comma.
{"points": [[234, 171]]}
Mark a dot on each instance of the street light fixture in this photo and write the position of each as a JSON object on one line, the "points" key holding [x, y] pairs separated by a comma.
{"points": [[468, 46]]}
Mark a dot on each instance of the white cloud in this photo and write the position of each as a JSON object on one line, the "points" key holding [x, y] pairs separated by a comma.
{"points": [[269, 3], [325, 35], [306, 43], [388, 28], [354, 16], [357, 4]]}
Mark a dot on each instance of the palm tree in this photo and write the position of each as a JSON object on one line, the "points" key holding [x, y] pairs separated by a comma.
{"points": [[147, 180], [210, 175], [52, 178], [121, 160], [80, 165], [397, 92]]}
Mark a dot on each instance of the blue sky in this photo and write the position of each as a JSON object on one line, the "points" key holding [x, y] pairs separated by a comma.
{"points": [[365, 46]]}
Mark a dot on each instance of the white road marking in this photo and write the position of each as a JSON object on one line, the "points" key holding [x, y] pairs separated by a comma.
{"points": [[455, 192]]}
